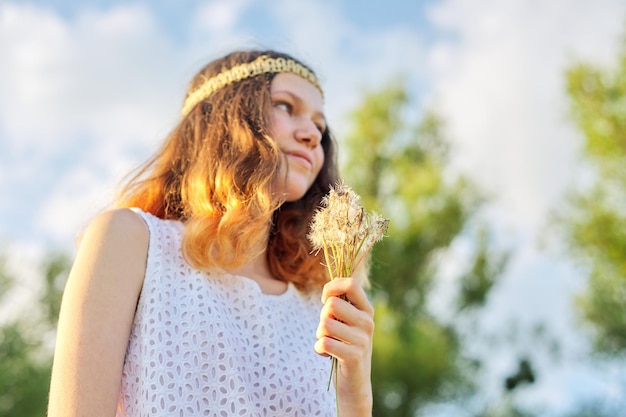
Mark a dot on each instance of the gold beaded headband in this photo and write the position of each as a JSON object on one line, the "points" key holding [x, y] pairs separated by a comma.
{"points": [[261, 65]]}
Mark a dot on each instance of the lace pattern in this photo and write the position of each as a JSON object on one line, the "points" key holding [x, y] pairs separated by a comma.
{"points": [[215, 345]]}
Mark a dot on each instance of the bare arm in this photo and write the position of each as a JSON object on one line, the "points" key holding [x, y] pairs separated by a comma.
{"points": [[97, 314], [345, 331]]}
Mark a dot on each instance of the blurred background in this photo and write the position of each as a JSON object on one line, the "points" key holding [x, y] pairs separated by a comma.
{"points": [[491, 133]]}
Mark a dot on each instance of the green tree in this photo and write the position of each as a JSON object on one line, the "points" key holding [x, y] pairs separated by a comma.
{"points": [[594, 221], [399, 168], [25, 342]]}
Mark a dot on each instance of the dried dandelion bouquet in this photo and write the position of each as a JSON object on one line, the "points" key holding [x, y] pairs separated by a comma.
{"points": [[346, 233]]}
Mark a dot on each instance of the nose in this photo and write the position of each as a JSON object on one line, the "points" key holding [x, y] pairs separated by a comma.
{"points": [[308, 133]]}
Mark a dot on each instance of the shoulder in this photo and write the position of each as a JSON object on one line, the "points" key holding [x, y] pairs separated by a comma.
{"points": [[116, 240], [117, 225], [120, 219]]}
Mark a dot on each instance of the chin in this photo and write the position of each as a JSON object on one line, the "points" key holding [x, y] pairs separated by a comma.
{"points": [[295, 192], [290, 197]]}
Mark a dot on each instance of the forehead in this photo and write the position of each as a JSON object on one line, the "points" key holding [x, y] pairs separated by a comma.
{"points": [[298, 86]]}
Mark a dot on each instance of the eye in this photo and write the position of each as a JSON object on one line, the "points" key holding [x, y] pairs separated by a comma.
{"points": [[321, 127], [284, 106]]}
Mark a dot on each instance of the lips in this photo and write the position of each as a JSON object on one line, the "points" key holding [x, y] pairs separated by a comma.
{"points": [[304, 157]]}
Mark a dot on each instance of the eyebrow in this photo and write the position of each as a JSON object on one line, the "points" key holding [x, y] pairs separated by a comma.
{"points": [[297, 98]]}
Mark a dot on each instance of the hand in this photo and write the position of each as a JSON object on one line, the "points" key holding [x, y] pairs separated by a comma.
{"points": [[345, 332]]}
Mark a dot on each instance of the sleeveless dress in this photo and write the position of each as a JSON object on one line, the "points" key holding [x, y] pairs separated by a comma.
{"points": [[212, 344]]}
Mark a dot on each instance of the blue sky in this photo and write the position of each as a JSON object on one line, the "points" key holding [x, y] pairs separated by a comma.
{"points": [[88, 89], [175, 15]]}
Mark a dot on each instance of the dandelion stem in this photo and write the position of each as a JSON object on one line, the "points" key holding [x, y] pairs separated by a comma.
{"points": [[346, 233]]}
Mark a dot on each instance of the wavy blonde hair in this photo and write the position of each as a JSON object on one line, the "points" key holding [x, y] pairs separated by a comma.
{"points": [[216, 172]]}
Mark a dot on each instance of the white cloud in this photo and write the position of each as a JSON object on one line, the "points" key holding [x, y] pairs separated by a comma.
{"points": [[33, 46], [61, 77], [498, 78], [78, 96], [81, 193], [219, 16]]}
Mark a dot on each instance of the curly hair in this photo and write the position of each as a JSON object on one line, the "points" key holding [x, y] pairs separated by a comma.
{"points": [[216, 173]]}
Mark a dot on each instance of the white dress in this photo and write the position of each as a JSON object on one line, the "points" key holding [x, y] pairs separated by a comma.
{"points": [[214, 345]]}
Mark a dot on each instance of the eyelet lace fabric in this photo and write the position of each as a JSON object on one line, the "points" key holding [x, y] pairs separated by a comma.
{"points": [[215, 345]]}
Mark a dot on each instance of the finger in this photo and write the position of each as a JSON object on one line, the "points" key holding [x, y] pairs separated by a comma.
{"points": [[347, 354], [343, 311], [329, 327], [352, 291]]}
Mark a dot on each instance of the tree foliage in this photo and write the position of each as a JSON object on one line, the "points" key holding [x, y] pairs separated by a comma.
{"points": [[399, 167], [25, 353], [595, 219]]}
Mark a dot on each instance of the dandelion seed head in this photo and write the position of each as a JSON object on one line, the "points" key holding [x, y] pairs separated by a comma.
{"points": [[346, 232], [379, 224]]}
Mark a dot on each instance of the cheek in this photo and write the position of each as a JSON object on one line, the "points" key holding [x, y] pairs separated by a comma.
{"points": [[277, 126], [273, 123], [320, 159]]}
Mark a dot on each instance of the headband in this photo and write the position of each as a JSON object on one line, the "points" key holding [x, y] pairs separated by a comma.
{"points": [[261, 65]]}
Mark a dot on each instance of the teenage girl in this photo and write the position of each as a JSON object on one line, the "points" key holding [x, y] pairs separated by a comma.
{"points": [[199, 294]]}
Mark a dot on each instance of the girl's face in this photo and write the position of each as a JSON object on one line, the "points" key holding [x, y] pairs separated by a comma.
{"points": [[297, 122]]}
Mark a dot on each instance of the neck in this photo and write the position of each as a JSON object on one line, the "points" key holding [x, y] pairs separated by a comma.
{"points": [[255, 267], [258, 269]]}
